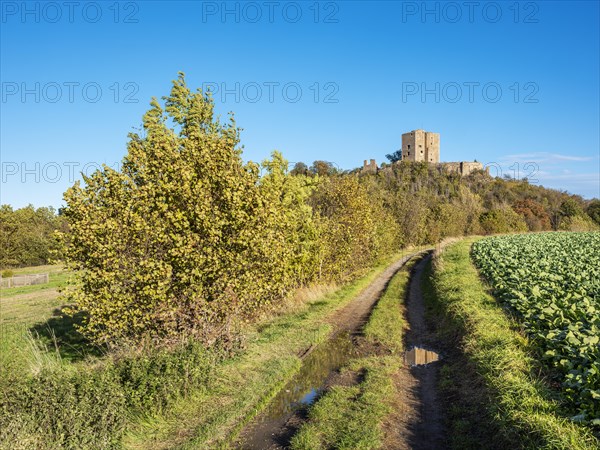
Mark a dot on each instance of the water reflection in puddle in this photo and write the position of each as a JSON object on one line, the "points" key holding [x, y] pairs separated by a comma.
{"points": [[418, 356], [308, 383]]}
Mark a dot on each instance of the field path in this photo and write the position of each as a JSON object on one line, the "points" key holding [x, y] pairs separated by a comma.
{"points": [[266, 433], [426, 430], [417, 422]]}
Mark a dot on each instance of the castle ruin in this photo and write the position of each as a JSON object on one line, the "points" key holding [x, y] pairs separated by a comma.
{"points": [[420, 145], [370, 167], [424, 146]]}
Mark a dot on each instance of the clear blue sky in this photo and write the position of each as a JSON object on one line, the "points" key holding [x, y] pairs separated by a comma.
{"points": [[361, 66]]}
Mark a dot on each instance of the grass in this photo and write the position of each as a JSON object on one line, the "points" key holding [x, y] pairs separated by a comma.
{"points": [[184, 398], [32, 323], [181, 398], [242, 386], [352, 417], [386, 324], [495, 395]]}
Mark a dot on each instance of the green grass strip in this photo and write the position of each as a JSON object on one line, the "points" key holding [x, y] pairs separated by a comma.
{"points": [[242, 386], [386, 324], [351, 417], [519, 405]]}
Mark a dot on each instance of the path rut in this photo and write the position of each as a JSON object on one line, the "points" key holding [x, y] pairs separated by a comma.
{"points": [[264, 433], [418, 421]]}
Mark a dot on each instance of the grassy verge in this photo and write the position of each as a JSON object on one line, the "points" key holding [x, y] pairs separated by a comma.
{"points": [[186, 397], [386, 324], [240, 387], [350, 417], [496, 399]]}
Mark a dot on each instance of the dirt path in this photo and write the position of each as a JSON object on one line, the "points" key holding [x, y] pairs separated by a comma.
{"points": [[418, 421], [270, 433], [354, 315]]}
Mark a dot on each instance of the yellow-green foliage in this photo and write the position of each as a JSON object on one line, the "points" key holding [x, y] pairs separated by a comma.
{"points": [[348, 234], [578, 223], [188, 238], [502, 220]]}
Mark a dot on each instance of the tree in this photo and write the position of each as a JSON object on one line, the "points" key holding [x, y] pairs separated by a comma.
{"points": [[533, 213], [27, 235], [593, 210], [322, 168], [570, 208], [178, 242], [502, 220], [395, 156], [299, 169]]}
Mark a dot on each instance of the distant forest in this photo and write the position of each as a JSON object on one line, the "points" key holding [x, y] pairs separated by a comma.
{"points": [[425, 204]]}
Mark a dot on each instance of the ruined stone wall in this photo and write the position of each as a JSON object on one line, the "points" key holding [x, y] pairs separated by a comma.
{"points": [[463, 167], [468, 167], [453, 167], [370, 167]]}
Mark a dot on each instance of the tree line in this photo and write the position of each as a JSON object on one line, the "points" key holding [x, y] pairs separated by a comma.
{"points": [[189, 240], [27, 235]]}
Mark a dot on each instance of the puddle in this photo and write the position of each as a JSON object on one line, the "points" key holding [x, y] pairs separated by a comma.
{"points": [[303, 389], [418, 356]]}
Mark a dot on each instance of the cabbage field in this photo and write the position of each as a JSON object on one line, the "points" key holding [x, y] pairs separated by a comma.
{"points": [[551, 281]]}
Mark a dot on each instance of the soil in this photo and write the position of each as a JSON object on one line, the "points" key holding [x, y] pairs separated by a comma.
{"points": [[267, 433], [417, 421]]}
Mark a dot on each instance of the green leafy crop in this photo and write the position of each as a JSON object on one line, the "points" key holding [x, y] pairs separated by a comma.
{"points": [[552, 282]]}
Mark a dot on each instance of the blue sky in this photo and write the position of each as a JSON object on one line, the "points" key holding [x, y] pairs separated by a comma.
{"points": [[513, 85]]}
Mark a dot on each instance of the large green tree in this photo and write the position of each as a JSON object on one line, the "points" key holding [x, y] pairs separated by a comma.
{"points": [[179, 241]]}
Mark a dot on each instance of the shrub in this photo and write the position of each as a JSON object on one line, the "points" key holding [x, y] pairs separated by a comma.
{"points": [[186, 239], [7, 273], [89, 407], [502, 220]]}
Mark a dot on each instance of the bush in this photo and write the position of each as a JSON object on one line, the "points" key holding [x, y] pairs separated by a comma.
{"points": [[577, 223], [7, 274], [151, 381], [187, 239], [83, 407], [502, 220]]}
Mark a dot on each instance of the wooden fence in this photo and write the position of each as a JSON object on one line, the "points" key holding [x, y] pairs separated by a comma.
{"points": [[24, 280]]}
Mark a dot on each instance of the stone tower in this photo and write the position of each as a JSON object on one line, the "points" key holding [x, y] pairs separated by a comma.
{"points": [[420, 145]]}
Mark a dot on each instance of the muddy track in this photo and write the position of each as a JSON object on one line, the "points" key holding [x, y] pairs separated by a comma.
{"points": [[266, 433], [418, 421]]}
